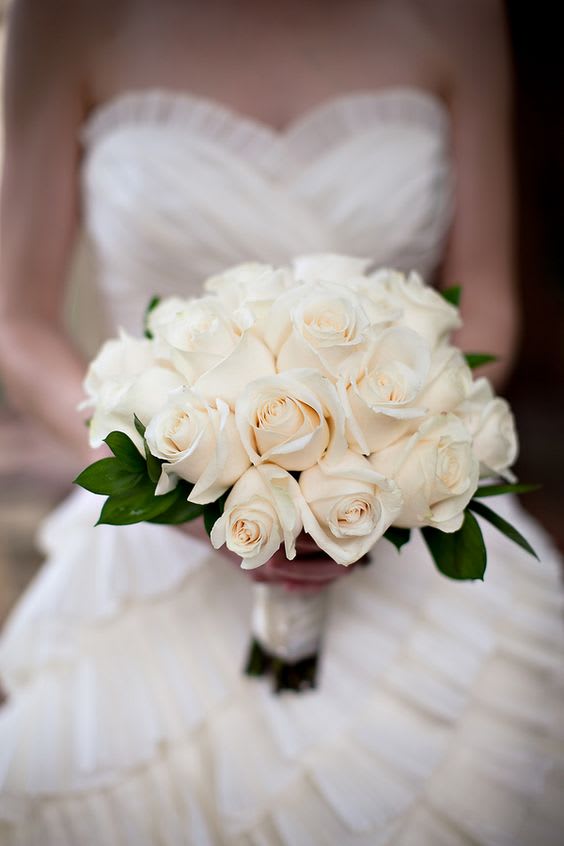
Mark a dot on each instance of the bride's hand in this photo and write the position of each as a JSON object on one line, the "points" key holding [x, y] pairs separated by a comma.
{"points": [[311, 570]]}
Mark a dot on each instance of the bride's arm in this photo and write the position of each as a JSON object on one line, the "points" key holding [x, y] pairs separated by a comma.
{"points": [[479, 253], [39, 366]]}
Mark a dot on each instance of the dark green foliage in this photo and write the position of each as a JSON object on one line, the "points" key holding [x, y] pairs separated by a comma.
{"points": [[474, 360], [497, 490], [213, 511], [129, 481], [108, 476], [461, 554], [153, 303], [502, 525], [399, 537], [125, 451], [452, 295]]}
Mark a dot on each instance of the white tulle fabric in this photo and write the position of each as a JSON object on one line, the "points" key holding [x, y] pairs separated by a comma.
{"points": [[439, 718]]}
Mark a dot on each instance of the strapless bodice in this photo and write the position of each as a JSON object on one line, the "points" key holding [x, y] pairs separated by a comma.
{"points": [[177, 187]]}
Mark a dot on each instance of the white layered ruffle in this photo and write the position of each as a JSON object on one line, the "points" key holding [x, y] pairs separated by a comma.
{"points": [[438, 719]]}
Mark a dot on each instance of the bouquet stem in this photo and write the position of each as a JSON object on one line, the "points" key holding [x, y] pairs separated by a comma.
{"points": [[287, 628]]}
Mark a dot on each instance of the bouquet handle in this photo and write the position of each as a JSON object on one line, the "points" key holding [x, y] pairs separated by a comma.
{"points": [[287, 629]]}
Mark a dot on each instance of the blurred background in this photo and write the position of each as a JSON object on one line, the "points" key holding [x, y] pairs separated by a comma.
{"points": [[35, 472]]}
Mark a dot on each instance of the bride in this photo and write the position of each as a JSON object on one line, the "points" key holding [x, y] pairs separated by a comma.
{"points": [[188, 138]]}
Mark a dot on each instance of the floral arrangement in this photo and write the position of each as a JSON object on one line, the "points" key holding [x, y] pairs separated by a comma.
{"points": [[324, 397]]}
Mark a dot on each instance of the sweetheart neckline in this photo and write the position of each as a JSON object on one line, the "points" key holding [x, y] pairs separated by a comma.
{"points": [[102, 112]]}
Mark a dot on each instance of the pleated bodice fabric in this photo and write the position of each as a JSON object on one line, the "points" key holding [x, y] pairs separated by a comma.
{"points": [[177, 188]]}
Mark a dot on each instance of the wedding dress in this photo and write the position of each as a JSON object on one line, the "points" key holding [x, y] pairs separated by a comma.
{"points": [[438, 718]]}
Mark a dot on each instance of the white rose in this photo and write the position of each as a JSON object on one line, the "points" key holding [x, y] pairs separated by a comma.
{"points": [[490, 421], [382, 307], [260, 512], [248, 290], [229, 378], [118, 359], [213, 353], [449, 381], [329, 267], [423, 309], [199, 442], [195, 334], [291, 419], [125, 380], [350, 506], [165, 311], [384, 389], [436, 471], [316, 325]]}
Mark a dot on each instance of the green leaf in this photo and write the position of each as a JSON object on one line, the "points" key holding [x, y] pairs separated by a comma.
{"points": [[107, 476], [258, 661], [461, 554], [125, 450], [153, 464], [452, 295], [399, 537], [210, 518], [153, 303], [502, 525], [181, 511], [139, 426], [138, 505], [213, 511], [498, 490], [474, 360]]}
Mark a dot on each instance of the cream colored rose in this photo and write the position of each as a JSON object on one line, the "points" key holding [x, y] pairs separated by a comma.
{"points": [[350, 506], [117, 360], [329, 267], [449, 381], [233, 284], [229, 378], [195, 334], [436, 471], [317, 325], [291, 419], [423, 309], [490, 420], [382, 394], [248, 290], [125, 379], [208, 347], [260, 513], [198, 442], [381, 306]]}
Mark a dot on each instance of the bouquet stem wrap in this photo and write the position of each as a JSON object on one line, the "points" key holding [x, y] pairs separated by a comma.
{"points": [[287, 629]]}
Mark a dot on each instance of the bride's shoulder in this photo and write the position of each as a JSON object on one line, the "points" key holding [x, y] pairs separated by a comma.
{"points": [[52, 54], [47, 46], [471, 37], [58, 27]]}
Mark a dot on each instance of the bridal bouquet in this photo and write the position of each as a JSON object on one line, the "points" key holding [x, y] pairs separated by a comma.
{"points": [[321, 397]]}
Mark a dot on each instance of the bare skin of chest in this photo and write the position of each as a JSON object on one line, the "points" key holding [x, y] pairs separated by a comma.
{"points": [[271, 61]]}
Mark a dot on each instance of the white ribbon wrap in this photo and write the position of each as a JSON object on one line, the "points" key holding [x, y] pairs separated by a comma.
{"points": [[288, 624]]}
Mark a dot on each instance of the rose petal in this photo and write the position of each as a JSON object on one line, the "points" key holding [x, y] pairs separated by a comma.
{"points": [[230, 377]]}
